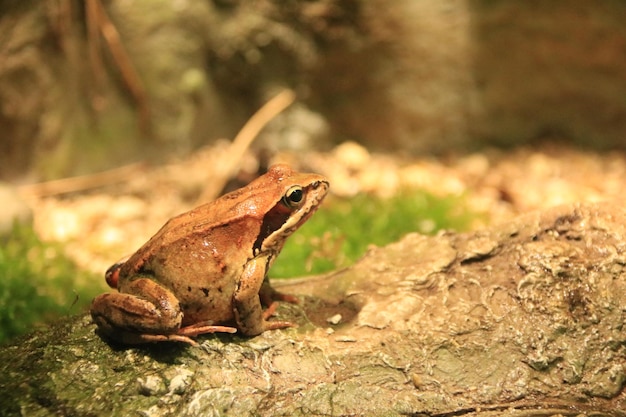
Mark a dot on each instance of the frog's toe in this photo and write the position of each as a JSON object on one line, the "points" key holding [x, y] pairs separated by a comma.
{"points": [[154, 338], [288, 298], [273, 325], [130, 338], [180, 338], [270, 311], [202, 328], [270, 296]]}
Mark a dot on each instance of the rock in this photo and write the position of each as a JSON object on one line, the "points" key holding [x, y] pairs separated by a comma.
{"points": [[525, 318]]}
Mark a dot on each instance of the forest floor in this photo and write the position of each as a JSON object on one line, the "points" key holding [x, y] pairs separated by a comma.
{"points": [[103, 224]]}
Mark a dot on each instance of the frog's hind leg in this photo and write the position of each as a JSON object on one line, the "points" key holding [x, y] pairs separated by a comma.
{"points": [[144, 312]]}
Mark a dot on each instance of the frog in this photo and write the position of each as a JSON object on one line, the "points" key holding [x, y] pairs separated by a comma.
{"points": [[206, 270]]}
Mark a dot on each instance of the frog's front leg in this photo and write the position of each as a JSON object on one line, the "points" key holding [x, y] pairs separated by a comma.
{"points": [[247, 303], [145, 312]]}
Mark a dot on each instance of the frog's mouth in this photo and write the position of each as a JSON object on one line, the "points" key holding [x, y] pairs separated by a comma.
{"points": [[281, 221]]}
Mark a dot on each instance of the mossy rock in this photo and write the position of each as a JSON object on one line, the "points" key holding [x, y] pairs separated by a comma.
{"points": [[523, 319]]}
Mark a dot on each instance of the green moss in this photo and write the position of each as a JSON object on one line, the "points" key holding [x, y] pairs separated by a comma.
{"points": [[39, 284], [340, 232]]}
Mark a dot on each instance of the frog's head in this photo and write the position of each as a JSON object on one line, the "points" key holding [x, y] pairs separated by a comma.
{"points": [[295, 197]]}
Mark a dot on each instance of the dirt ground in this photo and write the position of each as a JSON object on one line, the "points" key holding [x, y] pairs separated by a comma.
{"points": [[104, 223]]}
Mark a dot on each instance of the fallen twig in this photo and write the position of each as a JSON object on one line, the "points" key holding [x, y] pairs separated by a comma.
{"points": [[242, 142], [81, 183]]}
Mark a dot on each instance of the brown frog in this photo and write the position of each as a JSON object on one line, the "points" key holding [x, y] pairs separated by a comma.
{"points": [[206, 269]]}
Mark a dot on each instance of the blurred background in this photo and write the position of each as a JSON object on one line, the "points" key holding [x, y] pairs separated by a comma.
{"points": [[116, 115], [88, 85]]}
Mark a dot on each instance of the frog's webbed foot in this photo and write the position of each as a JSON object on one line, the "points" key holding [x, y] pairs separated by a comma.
{"points": [[272, 325], [271, 298]]}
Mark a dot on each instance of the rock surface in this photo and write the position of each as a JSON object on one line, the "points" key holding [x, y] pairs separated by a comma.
{"points": [[522, 319]]}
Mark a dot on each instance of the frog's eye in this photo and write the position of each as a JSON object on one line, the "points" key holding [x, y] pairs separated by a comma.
{"points": [[293, 197]]}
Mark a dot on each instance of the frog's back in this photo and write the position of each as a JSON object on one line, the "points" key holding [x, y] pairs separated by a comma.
{"points": [[227, 228], [207, 228]]}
